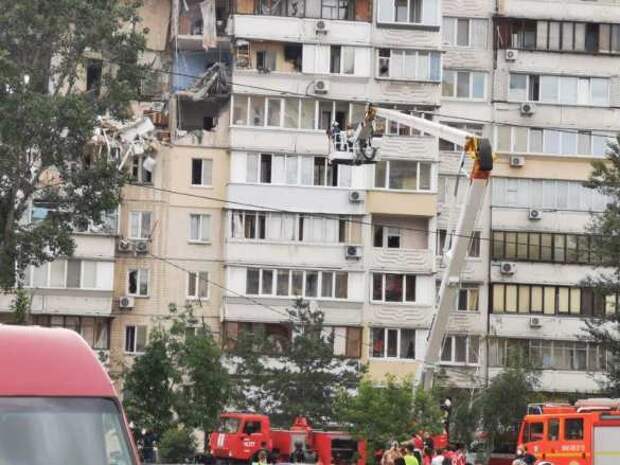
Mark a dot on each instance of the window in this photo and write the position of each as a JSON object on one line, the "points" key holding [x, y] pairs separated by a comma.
{"points": [[464, 84], [266, 60], [135, 339], [198, 285], [566, 90], [392, 287], [447, 146], [409, 64], [95, 331], [138, 282], [533, 431], [573, 429], [70, 273], [402, 175], [408, 11], [140, 174], [474, 245], [392, 343], [460, 350], [465, 32], [468, 298], [94, 70], [553, 431], [140, 225], [199, 227], [342, 60], [387, 237], [297, 283], [202, 172]]}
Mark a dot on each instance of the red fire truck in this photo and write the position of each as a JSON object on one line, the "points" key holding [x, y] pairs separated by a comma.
{"points": [[587, 433], [241, 436]]}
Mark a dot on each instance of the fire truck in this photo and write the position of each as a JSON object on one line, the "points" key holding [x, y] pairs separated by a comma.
{"points": [[241, 436], [587, 433]]}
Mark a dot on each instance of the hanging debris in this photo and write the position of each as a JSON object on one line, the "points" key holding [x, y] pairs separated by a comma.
{"points": [[214, 83]]}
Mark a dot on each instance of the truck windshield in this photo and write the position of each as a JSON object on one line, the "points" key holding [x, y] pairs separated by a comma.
{"points": [[62, 431], [228, 425]]}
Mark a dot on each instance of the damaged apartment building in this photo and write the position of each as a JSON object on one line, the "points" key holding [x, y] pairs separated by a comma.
{"points": [[238, 212]]}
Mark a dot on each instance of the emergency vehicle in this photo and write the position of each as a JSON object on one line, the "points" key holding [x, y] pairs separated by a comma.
{"points": [[587, 433], [241, 436], [57, 404]]}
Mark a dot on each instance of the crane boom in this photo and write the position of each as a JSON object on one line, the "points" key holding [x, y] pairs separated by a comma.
{"points": [[480, 151]]}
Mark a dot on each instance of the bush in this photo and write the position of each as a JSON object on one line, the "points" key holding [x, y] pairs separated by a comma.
{"points": [[177, 445]]}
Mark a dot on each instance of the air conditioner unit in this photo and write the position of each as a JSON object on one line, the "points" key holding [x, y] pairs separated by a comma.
{"points": [[507, 268], [124, 246], [321, 87], [141, 247], [517, 161], [353, 252], [356, 197], [126, 302], [511, 55], [535, 322], [321, 27], [528, 109], [534, 214]]}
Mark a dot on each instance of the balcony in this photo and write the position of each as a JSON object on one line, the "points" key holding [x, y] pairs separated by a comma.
{"points": [[414, 260], [414, 147], [65, 302], [199, 27], [564, 10], [395, 202], [550, 327], [562, 381]]}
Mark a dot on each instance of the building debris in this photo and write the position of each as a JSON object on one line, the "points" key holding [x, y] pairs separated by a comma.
{"points": [[213, 83]]}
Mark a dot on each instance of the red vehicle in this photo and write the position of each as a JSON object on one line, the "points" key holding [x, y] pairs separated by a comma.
{"points": [[241, 436], [587, 433], [57, 403]]}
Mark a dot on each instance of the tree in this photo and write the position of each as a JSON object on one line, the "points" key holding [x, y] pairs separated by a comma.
{"points": [[20, 307], [604, 231], [285, 377], [179, 380], [177, 445], [149, 397], [204, 388], [391, 410], [47, 120]]}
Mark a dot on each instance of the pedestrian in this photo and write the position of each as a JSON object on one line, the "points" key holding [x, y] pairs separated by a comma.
{"points": [[438, 459], [449, 455], [410, 459], [459, 455], [427, 456], [428, 441], [391, 454]]}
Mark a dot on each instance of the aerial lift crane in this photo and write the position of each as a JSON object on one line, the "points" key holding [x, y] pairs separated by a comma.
{"points": [[357, 148]]}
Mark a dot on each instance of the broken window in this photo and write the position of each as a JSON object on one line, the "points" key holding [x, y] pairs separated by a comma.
{"points": [[293, 57], [201, 172], [139, 173], [93, 76]]}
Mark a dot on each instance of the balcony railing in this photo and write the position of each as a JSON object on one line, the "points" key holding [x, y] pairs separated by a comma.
{"points": [[346, 10]]}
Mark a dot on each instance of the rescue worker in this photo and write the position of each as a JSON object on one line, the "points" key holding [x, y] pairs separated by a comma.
{"points": [[410, 459]]}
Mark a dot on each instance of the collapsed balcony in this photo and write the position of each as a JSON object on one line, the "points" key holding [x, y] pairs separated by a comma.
{"points": [[346, 10], [200, 24]]}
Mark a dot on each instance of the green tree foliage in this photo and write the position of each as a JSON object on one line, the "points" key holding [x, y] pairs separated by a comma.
{"points": [[20, 307], [148, 386], [47, 120], [179, 380], [605, 240], [177, 445], [286, 377], [391, 410]]}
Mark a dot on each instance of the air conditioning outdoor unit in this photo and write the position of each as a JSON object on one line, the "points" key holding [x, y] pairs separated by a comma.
{"points": [[126, 302], [321, 87], [517, 161], [511, 55], [142, 247], [534, 214], [353, 252], [356, 197], [124, 246], [535, 322], [528, 109], [507, 268], [321, 27]]}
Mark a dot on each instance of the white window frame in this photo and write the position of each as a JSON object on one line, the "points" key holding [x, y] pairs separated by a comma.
{"points": [[341, 61], [471, 85], [398, 344], [274, 284], [404, 291], [138, 178], [416, 57], [453, 24], [202, 218], [136, 329], [197, 276], [558, 100], [142, 235], [140, 272], [387, 177], [468, 288], [452, 361], [202, 169]]}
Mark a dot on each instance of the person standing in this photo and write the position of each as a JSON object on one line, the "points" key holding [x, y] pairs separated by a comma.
{"points": [[410, 459], [391, 454], [438, 458], [459, 455]]}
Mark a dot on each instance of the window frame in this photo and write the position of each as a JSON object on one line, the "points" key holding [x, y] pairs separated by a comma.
{"points": [[529, 91], [140, 272], [134, 349], [418, 176], [471, 73], [197, 277], [201, 227], [141, 234], [321, 274], [399, 338], [202, 170], [431, 55], [405, 280], [468, 345]]}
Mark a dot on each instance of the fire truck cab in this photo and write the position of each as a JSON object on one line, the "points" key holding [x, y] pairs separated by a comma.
{"points": [[57, 403], [587, 433], [241, 436]]}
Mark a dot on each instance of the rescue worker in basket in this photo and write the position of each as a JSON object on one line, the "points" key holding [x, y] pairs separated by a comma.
{"points": [[353, 141]]}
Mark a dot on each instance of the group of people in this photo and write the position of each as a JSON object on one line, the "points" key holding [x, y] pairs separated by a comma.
{"points": [[420, 452]]}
